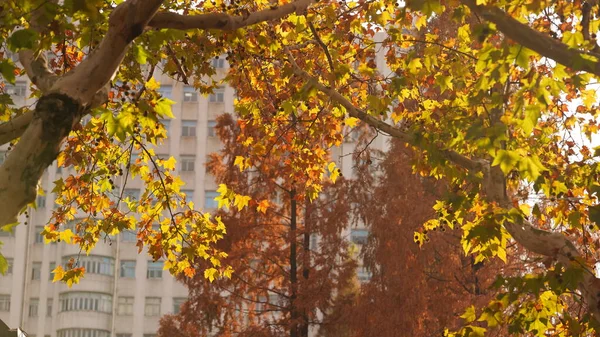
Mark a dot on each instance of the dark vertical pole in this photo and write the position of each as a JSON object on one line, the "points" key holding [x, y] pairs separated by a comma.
{"points": [[306, 265], [293, 267]]}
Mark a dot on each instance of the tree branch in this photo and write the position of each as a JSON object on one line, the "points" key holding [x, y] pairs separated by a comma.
{"points": [[223, 21], [536, 41], [353, 111], [63, 105], [37, 67]]}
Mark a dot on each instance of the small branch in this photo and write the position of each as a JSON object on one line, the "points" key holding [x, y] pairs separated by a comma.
{"points": [[586, 14], [326, 51], [223, 21], [177, 64]]}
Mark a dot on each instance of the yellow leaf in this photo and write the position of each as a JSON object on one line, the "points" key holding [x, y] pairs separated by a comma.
{"points": [[331, 167], [262, 206], [227, 272], [210, 274], [240, 162], [66, 236], [241, 201], [152, 84], [170, 163], [351, 121], [59, 273]]}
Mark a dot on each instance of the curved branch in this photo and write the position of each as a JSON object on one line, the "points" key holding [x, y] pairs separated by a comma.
{"points": [[223, 21], [541, 43], [15, 127], [353, 111], [37, 67]]}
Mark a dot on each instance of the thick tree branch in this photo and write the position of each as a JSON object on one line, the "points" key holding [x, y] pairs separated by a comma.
{"points": [[541, 43], [125, 23], [15, 127], [223, 21], [64, 104]]}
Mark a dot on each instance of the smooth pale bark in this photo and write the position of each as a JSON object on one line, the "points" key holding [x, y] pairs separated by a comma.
{"points": [[63, 103]]}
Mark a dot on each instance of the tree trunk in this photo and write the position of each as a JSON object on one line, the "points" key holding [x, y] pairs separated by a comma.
{"points": [[293, 267], [305, 266]]}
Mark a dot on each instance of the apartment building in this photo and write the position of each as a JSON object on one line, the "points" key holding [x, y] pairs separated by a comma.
{"points": [[124, 293]]}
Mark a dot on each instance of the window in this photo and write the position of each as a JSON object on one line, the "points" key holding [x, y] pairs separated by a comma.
{"points": [[125, 306], [190, 94], [209, 199], [2, 157], [363, 274], [155, 269], [33, 307], [80, 332], [187, 163], [152, 307], [128, 269], [177, 302], [217, 95], [4, 302], [189, 194], [40, 201], [19, 89], [211, 131], [351, 136], [149, 335], [9, 270], [124, 335], [128, 236], [36, 270], [188, 128], [49, 303], [132, 193], [165, 91], [85, 301], [218, 62], [39, 238], [51, 268], [314, 241], [359, 236], [95, 264]]}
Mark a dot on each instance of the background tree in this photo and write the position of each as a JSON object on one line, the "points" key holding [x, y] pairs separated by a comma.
{"points": [[283, 281]]}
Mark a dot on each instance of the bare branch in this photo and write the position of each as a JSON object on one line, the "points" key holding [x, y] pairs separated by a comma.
{"points": [[223, 21]]}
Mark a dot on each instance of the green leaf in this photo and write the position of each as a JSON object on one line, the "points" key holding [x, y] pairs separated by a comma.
{"points": [[3, 265], [594, 214], [23, 39], [532, 114], [140, 54], [506, 159], [7, 69]]}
